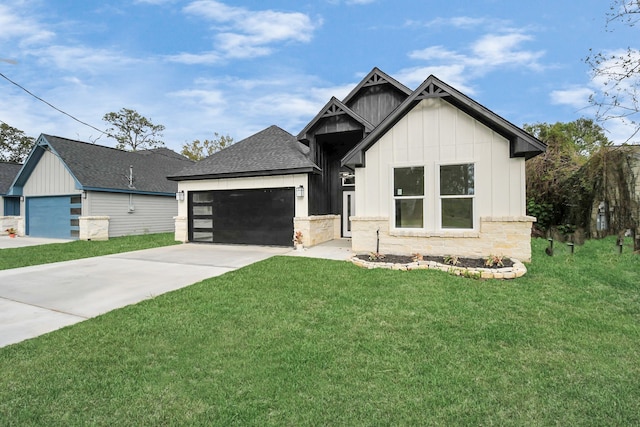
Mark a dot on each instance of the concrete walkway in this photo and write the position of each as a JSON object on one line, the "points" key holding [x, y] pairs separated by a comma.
{"points": [[40, 299]]}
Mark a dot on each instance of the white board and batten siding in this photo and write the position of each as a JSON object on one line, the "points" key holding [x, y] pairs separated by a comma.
{"points": [[435, 133], [150, 214]]}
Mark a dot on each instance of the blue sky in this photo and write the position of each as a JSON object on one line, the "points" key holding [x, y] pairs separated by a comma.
{"points": [[236, 67]]}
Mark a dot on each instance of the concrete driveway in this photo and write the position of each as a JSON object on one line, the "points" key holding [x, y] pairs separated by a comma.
{"points": [[40, 299], [19, 242]]}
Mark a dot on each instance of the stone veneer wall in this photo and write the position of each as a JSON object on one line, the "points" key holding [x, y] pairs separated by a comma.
{"points": [[507, 236], [16, 222], [94, 227], [317, 229], [182, 231]]}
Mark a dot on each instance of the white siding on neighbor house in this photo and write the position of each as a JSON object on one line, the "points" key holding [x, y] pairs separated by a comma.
{"points": [[275, 181], [436, 133], [50, 177], [151, 214]]}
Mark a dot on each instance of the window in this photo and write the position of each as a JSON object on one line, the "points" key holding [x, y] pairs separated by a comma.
{"points": [[456, 195], [201, 218], [408, 194]]}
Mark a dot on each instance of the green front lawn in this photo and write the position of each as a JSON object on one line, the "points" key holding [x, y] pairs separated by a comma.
{"points": [[296, 341], [56, 252]]}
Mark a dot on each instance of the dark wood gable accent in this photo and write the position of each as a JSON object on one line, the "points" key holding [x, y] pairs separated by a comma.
{"points": [[432, 91], [334, 117], [376, 96], [334, 131], [339, 127]]}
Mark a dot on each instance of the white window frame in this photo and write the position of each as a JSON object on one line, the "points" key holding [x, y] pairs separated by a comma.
{"points": [[440, 197], [395, 197]]}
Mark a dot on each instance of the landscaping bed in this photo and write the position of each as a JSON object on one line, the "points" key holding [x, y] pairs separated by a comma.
{"points": [[476, 268]]}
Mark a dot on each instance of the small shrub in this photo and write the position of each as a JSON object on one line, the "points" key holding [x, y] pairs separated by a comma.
{"points": [[375, 256], [452, 260], [417, 257], [494, 261]]}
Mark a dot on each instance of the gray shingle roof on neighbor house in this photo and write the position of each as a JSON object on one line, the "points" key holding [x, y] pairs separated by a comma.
{"points": [[100, 167], [8, 172], [272, 151]]}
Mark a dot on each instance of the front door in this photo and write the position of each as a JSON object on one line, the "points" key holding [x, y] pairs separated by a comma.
{"points": [[348, 209]]}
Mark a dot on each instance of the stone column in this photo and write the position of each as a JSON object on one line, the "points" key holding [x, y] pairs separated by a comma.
{"points": [[94, 227], [182, 230]]}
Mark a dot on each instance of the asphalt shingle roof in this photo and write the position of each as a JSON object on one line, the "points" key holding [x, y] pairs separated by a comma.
{"points": [[8, 172], [269, 151], [97, 166]]}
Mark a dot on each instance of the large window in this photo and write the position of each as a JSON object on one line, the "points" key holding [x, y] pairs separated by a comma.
{"points": [[457, 184], [408, 194]]}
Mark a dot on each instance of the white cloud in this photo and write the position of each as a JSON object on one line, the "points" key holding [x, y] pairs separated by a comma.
{"points": [[488, 53], [21, 27], [243, 33], [76, 58], [460, 22], [452, 74], [495, 50], [575, 97], [196, 58]]}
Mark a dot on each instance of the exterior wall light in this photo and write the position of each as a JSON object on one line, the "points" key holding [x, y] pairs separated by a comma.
{"points": [[299, 191], [180, 196]]}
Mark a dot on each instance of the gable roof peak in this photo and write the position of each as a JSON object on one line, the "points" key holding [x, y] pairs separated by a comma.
{"points": [[334, 107], [376, 77]]}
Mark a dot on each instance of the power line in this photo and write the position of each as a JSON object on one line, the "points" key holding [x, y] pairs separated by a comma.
{"points": [[52, 106]]}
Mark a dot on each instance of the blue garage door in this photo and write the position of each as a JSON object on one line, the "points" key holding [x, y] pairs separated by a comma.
{"points": [[55, 217]]}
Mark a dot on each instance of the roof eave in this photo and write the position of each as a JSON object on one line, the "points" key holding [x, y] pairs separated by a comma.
{"points": [[245, 174]]}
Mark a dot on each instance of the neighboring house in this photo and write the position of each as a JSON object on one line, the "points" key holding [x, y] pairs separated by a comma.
{"points": [[426, 171], [72, 189], [9, 206]]}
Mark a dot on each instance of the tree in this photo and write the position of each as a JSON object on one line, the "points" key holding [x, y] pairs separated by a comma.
{"points": [[14, 144], [551, 187], [197, 150], [618, 72], [133, 131]]}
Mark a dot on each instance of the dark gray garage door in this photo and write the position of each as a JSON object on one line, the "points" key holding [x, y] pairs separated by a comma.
{"points": [[254, 217]]}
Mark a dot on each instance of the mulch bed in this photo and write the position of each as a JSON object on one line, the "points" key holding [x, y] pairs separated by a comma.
{"points": [[462, 262]]}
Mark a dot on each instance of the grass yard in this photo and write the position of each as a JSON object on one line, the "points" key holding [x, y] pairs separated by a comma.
{"points": [[56, 252], [296, 341]]}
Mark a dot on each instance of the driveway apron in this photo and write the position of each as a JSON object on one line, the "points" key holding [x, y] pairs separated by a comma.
{"points": [[40, 299]]}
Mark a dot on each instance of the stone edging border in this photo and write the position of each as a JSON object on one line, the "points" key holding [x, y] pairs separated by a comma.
{"points": [[517, 270]]}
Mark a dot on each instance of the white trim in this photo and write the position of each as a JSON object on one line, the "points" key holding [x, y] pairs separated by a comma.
{"points": [[438, 211], [425, 204]]}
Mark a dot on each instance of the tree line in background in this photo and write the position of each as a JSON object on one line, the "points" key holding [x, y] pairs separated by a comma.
{"points": [[582, 182], [131, 130]]}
